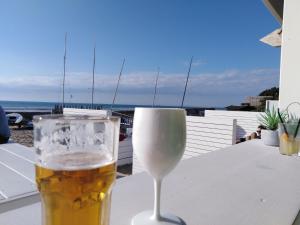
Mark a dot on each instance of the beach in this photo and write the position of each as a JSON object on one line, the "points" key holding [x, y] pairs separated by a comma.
{"points": [[22, 136]]}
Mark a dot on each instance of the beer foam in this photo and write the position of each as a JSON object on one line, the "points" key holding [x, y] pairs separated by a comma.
{"points": [[76, 160]]}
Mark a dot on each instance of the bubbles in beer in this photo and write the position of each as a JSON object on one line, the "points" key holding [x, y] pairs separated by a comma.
{"points": [[76, 188]]}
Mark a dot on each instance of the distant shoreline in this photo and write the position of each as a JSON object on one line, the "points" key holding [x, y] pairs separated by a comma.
{"points": [[29, 109]]}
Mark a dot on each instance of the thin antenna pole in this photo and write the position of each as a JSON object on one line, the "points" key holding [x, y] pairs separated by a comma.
{"points": [[155, 89], [93, 85], [64, 78], [116, 91], [187, 80]]}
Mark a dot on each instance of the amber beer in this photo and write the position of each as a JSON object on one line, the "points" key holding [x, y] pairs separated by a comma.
{"points": [[76, 188]]}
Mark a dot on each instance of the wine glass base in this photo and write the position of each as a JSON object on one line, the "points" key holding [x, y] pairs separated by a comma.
{"points": [[144, 218]]}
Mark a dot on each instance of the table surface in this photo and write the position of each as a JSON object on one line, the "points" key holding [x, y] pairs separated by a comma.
{"points": [[16, 172], [246, 184]]}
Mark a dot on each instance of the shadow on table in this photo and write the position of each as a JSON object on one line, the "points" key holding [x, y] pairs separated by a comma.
{"points": [[297, 219], [175, 222]]}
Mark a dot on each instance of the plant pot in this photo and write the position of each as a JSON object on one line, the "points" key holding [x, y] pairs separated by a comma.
{"points": [[270, 137]]}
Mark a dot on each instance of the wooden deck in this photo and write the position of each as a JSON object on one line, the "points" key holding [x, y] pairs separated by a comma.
{"points": [[244, 184]]}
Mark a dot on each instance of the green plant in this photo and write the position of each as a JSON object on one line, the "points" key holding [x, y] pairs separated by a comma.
{"points": [[270, 119]]}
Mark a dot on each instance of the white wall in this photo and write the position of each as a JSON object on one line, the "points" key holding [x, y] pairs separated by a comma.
{"points": [[271, 104], [290, 56]]}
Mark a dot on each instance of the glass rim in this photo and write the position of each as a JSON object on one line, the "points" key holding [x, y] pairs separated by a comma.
{"points": [[72, 117]]}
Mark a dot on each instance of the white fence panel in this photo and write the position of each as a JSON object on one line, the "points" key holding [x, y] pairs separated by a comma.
{"points": [[204, 135], [247, 122], [90, 112]]}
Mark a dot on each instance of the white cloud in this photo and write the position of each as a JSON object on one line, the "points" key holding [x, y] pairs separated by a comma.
{"points": [[195, 63], [210, 89]]}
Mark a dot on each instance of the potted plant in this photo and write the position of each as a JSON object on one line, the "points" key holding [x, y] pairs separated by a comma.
{"points": [[270, 120]]}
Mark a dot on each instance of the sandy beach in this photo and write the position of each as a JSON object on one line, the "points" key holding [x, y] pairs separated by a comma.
{"points": [[22, 136]]}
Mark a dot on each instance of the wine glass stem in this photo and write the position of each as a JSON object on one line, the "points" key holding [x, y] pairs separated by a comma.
{"points": [[157, 190]]}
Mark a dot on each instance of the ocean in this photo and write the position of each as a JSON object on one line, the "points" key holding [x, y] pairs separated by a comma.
{"points": [[27, 105]]}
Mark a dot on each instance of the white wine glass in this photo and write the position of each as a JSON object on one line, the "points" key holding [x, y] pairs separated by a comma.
{"points": [[159, 138]]}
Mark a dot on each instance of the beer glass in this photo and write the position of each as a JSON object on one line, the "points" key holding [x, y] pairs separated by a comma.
{"points": [[75, 167], [159, 138]]}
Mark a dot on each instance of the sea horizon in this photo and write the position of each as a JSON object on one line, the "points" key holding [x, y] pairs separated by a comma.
{"points": [[19, 105]]}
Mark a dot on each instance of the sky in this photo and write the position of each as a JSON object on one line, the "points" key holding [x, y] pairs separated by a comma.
{"points": [[229, 64]]}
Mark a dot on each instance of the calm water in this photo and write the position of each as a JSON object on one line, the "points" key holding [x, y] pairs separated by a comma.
{"points": [[49, 105], [32, 106], [26, 105]]}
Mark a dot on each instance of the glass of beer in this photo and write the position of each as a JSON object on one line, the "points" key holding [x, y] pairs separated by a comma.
{"points": [[76, 167]]}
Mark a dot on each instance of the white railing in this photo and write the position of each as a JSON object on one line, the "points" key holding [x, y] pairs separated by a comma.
{"points": [[90, 112], [208, 134], [247, 122], [218, 129]]}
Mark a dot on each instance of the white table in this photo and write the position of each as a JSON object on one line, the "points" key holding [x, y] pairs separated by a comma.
{"points": [[17, 176], [246, 184]]}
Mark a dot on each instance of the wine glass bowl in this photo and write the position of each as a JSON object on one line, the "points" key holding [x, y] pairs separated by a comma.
{"points": [[159, 137]]}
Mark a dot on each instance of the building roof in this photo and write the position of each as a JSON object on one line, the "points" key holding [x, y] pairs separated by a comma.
{"points": [[276, 8]]}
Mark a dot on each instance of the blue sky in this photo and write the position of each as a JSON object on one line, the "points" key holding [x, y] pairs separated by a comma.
{"points": [[223, 36]]}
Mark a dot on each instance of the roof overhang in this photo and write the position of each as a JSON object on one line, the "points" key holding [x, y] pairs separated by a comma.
{"points": [[276, 8], [273, 39]]}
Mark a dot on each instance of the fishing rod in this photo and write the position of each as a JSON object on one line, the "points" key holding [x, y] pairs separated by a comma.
{"points": [[155, 89], [187, 80], [93, 84], [64, 77], [116, 91]]}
